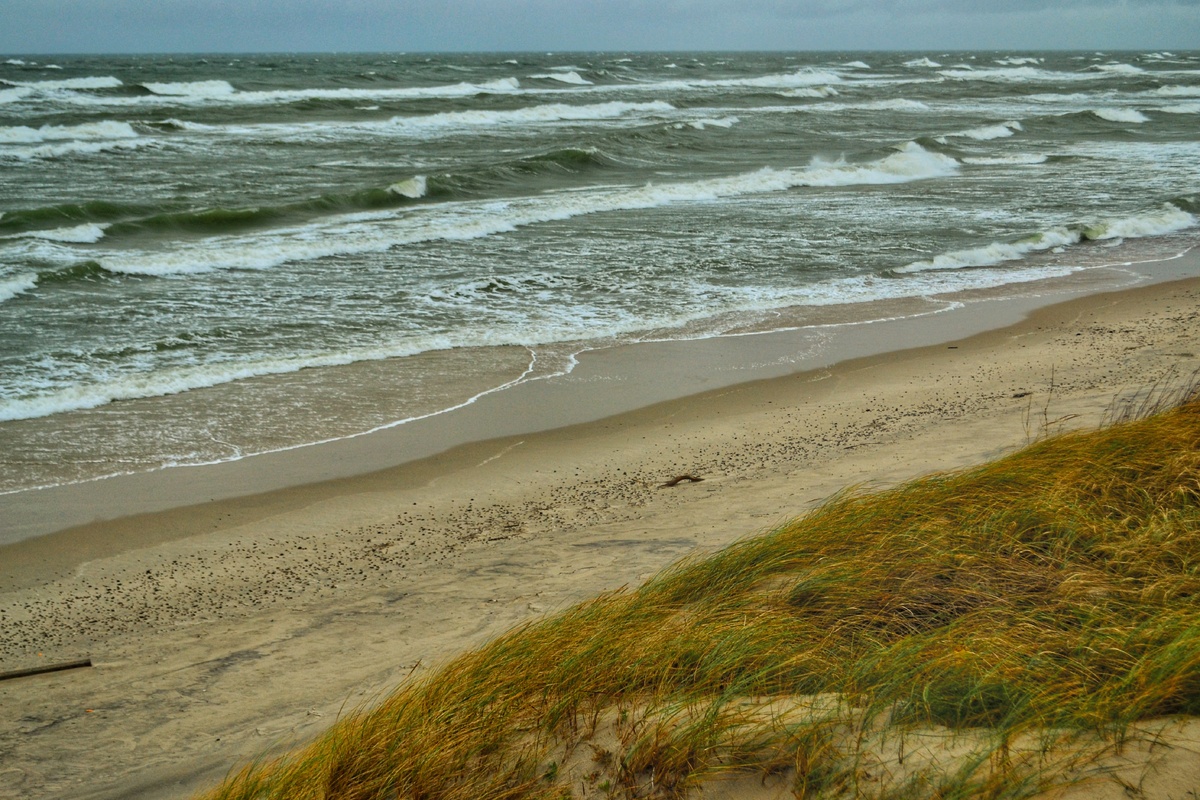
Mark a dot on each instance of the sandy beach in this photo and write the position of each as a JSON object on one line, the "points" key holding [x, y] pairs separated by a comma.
{"points": [[241, 607]]}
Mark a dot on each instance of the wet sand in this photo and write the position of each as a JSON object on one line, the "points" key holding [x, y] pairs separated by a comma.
{"points": [[219, 629]]}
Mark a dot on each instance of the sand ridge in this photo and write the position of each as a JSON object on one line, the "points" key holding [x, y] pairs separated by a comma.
{"points": [[211, 647]]}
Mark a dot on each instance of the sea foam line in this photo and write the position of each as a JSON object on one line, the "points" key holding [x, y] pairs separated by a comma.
{"points": [[859, 289]]}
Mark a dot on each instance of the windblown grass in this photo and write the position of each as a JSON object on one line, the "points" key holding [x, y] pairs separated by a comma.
{"points": [[1020, 615]]}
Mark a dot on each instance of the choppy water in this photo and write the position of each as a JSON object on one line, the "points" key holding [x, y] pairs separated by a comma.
{"points": [[203, 257]]}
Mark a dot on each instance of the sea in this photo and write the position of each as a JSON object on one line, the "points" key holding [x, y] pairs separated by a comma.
{"points": [[211, 256]]}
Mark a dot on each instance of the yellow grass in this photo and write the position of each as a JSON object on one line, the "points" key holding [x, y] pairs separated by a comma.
{"points": [[980, 634]]}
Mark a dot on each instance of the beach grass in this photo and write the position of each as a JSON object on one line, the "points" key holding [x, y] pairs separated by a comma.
{"points": [[992, 632]]}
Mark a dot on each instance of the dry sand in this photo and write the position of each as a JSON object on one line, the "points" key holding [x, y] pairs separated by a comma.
{"points": [[221, 630]]}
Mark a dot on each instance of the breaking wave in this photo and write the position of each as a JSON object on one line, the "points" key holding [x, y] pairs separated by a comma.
{"points": [[1121, 115], [1168, 219], [573, 78], [88, 233], [11, 286], [457, 221], [107, 129], [1181, 108], [1176, 91], [1005, 160], [988, 132], [75, 148], [553, 112], [105, 82], [1116, 69], [192, 89]]}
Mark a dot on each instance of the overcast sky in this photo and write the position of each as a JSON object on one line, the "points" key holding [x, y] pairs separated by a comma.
{"points": [[139, 26]]}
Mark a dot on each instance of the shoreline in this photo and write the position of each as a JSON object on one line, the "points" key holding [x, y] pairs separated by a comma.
{"points": [[222, 630], [604, 382]]}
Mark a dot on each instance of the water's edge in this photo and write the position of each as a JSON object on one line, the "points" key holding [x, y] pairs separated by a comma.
{"points": [[605, 383]]}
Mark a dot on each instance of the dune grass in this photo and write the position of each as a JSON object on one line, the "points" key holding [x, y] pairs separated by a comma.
{"points": [[1020, 615]]}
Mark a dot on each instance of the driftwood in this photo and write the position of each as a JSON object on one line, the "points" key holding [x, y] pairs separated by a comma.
{"points": [[60, 667], [678, 480]]}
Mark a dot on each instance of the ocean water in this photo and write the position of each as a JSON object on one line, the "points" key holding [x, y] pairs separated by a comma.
{"points": [[207, 257]]}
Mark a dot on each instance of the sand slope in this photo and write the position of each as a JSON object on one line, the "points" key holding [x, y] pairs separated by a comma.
{"points": [[221, 630]]}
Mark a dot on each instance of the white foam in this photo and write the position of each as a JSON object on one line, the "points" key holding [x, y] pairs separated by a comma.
{"points": [[911, 162], [922, 62], [1167, 219], [819, 91], [185, 125], [163, 382], [203, 89], [857, 65], [1018, 62], [414, 188], [87, 233], [565, 77], [213, 92], [894, 104], [15, 94], [1176, 91], [994, 253], [795, 79], [1015, 160], [549, 113], [722, 122], [1121, 115], [789, 80], [1114, 68], [988, 132], [105, 82], [1181, 108], [380, 231], [83, 147], [11, 286], [436, 123], [14, 62], [1023, 74], [108, 129]]}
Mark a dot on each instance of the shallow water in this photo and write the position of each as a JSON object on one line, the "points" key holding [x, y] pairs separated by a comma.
{"points": [[207, 257]]}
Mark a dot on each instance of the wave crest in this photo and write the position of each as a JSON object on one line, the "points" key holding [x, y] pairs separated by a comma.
{"points": [[11, 286], [573, 78], [1131, 115], [1168, 219], [381, 231], [192, 89], [98, 82], [108, 129]]}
